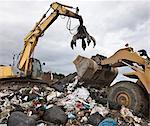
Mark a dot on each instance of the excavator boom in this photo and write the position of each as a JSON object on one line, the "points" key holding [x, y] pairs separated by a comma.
{"points": [[31, 39]]}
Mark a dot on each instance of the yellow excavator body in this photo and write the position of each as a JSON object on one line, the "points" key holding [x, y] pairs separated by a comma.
{"points": [[29, 67], [6, 71], [31, 39]]}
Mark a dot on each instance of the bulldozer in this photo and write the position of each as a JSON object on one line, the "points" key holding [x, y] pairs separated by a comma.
{"points": [[100, 71], [28, 70]]}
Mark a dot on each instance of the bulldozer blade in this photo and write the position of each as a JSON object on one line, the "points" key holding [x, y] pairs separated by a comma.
{"points": [[93, 74]]}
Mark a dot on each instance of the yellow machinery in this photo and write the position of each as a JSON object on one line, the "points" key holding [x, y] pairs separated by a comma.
{"points": [[28, 66], [134, 95]]}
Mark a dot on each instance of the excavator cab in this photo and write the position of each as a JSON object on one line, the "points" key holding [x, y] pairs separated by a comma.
{"points": [[36, 68]]}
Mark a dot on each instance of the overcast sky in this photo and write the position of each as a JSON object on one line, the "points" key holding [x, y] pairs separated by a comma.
{"points": [[112, 23]]}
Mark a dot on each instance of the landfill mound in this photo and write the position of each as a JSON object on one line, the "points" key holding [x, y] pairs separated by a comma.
{"points": [[65, 103]]}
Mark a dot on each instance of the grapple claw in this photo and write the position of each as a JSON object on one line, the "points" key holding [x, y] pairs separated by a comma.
{"points": [[82, 34]]}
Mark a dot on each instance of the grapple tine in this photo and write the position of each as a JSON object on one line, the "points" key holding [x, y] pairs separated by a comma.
{"points": [[88, 41], [94, 41], [73, 43], [83, 44]]}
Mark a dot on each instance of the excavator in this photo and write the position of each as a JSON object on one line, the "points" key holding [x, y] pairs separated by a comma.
{"points": [[29, 69], [99, 72]]}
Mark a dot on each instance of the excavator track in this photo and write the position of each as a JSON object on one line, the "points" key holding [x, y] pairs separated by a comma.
{"points": [[20, 82]]}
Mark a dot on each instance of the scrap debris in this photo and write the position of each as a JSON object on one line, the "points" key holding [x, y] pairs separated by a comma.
{"points": [[74, 106]]}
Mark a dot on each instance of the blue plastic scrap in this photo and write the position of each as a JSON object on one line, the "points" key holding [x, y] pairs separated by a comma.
{"points": [[108, 122], [71, 116]]}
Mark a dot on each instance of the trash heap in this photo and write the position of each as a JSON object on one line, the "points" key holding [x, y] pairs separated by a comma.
{"points": [[72, 105]]}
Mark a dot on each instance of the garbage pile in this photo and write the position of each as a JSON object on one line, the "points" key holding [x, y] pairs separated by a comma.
{"points": [[72, 105]]}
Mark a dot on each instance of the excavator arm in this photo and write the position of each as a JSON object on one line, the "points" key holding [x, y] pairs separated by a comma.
{"points": [[31, 39]]}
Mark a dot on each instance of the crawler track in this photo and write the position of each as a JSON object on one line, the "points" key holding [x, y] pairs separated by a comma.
{"points": [[17, 83]]}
